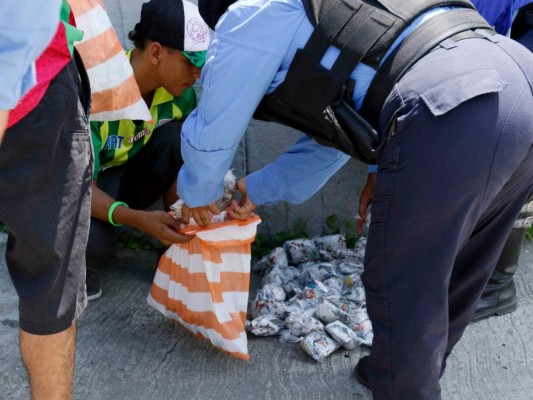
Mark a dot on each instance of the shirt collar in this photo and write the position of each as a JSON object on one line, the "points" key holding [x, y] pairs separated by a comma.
{"points": [[161, 95]]}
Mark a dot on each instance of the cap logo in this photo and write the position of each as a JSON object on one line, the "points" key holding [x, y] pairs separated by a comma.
{"points": [[197, 30]]}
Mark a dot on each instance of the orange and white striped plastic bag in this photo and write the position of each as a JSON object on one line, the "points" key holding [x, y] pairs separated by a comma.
{"points": [[115, 93], [204, 284]]}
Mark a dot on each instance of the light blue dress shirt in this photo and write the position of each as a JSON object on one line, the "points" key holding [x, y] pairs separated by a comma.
{"points": [[249, 56], [26, 29]]}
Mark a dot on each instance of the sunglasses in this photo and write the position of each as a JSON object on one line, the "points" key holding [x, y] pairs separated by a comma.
{"points": [[196, 58]]}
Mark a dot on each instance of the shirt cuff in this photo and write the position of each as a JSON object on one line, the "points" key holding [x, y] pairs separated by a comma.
{"points": [[372, 169]]}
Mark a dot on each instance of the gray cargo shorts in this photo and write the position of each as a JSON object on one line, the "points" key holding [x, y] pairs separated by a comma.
{"points": [[45, 178]]}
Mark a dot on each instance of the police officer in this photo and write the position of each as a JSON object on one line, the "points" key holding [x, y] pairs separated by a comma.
{"points": [[454, 169]]}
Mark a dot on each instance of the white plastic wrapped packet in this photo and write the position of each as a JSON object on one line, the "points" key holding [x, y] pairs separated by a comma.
{"points": [[342, 335], [276, 258], [327, 312], [335, 285], [310, 273], [285, 336], [315, 290], [222, 203], [302, 323], [293, 288], [280, 275], [361, 325], [294, 323], [348, 306], [330, 247], [265, 325], [303, 304], [311, 324], [360, 246], [301, 250], [353, 280], [366, 339], [327, 269], [349, 266], [318, 345], [265, 299], [229, 188], [354, 294], [283, 309]]}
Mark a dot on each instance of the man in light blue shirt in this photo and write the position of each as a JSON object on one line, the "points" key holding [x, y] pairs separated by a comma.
{"points": [[260, 61], [444, 200], [26, 28]]}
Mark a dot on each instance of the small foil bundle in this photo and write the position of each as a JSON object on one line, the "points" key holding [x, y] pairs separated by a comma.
{"points": [[318, 345], [276, 258], [266, 299], [354, 294], [332, 247], [342, 335], [361, 325], [302, 324], [281, 275], [229, 188], [315, 290], [301, 250], [265, 325], [350, 266], [222, 203], [327, 312], [335, 285]]}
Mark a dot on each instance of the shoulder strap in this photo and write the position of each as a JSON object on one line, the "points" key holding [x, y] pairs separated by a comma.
{"points": [[358, 27]]}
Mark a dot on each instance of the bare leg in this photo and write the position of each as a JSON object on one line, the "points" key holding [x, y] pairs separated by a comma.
{"points": [[49, 360]]}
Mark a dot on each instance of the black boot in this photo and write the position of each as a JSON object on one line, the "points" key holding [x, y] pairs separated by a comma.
{"points": [[361, 371], [499, 296]]}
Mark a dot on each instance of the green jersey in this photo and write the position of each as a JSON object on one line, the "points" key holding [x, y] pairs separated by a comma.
{"points": [[115, 142]]}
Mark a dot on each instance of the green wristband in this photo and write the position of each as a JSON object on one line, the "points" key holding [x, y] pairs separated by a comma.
{"points": [[111, 209]]}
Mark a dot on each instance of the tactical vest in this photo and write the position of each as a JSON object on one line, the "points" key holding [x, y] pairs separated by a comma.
{"points": [[318, 101]]}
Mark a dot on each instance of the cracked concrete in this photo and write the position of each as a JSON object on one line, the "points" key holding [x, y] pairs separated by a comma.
{"points": [[127, 350]]}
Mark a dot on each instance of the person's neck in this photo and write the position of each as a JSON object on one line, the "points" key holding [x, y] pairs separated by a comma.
{"points": [[142, 70]]}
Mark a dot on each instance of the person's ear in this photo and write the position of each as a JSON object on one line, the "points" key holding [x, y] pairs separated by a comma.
{"points": [[155, 52]]}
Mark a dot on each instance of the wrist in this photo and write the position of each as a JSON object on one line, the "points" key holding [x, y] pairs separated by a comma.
{"points": [[112, 210]]}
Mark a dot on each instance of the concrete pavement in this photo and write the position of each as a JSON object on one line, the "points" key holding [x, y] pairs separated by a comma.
{"points": [[126, 350]]}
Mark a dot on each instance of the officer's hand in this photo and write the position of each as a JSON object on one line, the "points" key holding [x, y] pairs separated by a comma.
{"points": [[201, 215], [365, 199], [241, 209]]}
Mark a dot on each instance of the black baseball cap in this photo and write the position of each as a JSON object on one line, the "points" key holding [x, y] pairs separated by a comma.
{"points": [[174, 23]]}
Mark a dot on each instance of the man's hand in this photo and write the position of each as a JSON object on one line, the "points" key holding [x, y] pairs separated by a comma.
{"points": [[162, 226], [365, 199], [241, 210], [202, 215]]}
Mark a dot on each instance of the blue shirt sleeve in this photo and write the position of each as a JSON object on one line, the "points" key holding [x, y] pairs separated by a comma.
{"points": [[26, 29], [242, 62], [296, 175]]}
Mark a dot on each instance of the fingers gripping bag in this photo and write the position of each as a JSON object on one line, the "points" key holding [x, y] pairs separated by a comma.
{"points": [[204, 284]]}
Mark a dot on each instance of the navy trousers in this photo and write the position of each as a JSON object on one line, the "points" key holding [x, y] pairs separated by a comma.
{"points": [[454, 170]]}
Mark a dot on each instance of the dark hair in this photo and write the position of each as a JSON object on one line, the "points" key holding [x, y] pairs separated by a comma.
{"points": [[138, 39]]}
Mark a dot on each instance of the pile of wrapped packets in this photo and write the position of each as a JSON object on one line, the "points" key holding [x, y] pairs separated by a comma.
{"points": [[312, 294]]}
